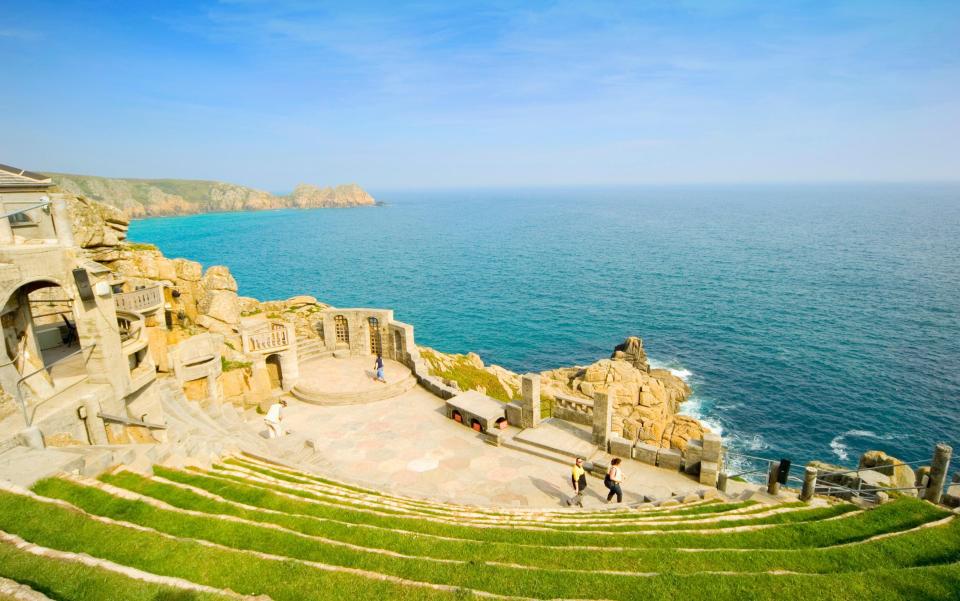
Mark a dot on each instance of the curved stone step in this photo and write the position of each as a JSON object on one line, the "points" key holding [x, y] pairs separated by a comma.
{"points": [[308, 394]]}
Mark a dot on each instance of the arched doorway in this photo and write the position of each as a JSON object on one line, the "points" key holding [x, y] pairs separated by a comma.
{"points": [[274, 371], [376, 345], [40, 337], [398, 344]]}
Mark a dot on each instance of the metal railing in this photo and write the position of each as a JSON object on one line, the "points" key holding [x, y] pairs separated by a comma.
{"points": [[851, 487], [21, 400], [129, 421], [54, 214], [40, 205]]}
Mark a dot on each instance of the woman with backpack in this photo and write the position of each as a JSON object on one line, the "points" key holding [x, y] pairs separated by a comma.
{"points": [[613, 479]]}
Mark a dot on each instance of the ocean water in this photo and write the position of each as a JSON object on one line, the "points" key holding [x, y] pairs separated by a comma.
{"points": [[811, 321]]}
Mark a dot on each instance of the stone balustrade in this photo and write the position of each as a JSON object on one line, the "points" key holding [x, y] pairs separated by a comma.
{"points": [[573, 409], [273, 339], [140, 301]]}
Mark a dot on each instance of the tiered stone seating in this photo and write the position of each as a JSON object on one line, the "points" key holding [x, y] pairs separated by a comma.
{"points": [[243, 526]]}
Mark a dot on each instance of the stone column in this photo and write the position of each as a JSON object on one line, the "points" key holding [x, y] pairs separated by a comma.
{"points": [[773, 486], [809, 484], [938, 472], [530, 400], [289, 369], [61, 220], [603, 416]]}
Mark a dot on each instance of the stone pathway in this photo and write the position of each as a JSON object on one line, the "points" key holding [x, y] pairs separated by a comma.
{"points": [[406, 445]]}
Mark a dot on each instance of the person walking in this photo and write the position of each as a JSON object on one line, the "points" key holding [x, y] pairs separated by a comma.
{"points": [[273, 419], [379, 367], [578, 477], [613, 479]]}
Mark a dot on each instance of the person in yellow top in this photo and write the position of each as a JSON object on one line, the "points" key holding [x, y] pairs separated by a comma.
{"points": [[578, 477]]}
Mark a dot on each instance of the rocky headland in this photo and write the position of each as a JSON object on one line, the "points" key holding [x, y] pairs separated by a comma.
{"points": [[160, 197]]}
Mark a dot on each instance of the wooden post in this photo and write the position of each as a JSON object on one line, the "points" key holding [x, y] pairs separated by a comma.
{"points": [[809, 484], [773, 486], [938, 472]]}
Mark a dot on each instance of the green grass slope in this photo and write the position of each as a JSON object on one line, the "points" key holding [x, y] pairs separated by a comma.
{"points": [[250, 528]]}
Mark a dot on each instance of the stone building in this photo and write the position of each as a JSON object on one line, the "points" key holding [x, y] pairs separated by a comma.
{"points": [[360, 332], [75, 367]]}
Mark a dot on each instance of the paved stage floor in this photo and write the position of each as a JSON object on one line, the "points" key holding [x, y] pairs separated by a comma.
{"points": [[405, 444]]}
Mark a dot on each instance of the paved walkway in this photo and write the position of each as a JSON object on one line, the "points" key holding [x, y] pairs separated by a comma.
{"points": [[405, 444]]}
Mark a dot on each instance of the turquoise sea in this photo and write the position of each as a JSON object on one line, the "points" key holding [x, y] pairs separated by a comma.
{"points": [[812, 321]]}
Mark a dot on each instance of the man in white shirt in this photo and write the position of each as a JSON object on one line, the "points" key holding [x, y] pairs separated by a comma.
{"points": [[273, 419]]}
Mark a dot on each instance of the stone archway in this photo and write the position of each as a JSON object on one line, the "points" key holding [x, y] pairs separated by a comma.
{"points": [[274, 371], [39, 329]]}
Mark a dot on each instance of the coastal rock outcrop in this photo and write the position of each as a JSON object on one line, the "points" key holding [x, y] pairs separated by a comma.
{"points": [[308, 196], [631, 350], [647, 402], [901, 476], [96, 224]]}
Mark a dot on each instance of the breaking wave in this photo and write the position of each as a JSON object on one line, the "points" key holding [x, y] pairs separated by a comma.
{"points": [[839, 445]]}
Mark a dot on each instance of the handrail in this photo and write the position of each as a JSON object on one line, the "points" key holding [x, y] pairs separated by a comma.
{"points": [[24, 210], [70, 312], [19, 391], [759, 471], [874, 468], [129, 421]]}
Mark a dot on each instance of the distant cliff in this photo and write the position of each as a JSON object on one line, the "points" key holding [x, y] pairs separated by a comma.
{"points": [[155, 197]]}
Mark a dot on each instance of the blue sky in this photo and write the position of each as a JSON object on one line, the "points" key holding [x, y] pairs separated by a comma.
{"points": [[436, 94]]}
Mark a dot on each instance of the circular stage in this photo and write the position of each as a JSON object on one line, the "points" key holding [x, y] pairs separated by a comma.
{"points": [[350, 381]]}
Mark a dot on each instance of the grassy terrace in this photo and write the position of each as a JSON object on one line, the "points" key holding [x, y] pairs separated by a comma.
{"points": [[324, 491], [301, 501], [253, 529], [59, 579]]}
